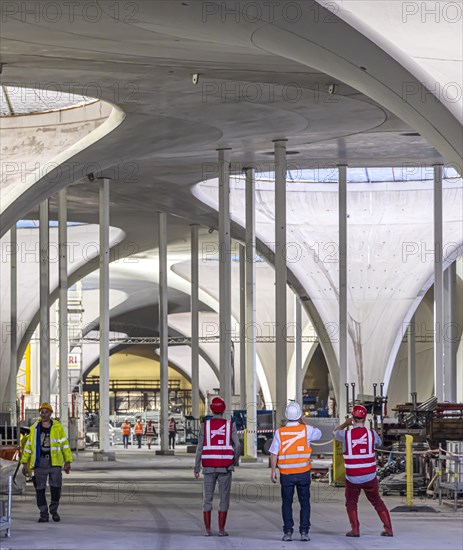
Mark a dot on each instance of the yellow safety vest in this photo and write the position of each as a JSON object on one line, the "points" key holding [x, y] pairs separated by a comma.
{"points": [[294, 454], [60, 451]]}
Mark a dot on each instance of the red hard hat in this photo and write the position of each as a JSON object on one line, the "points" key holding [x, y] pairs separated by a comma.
{"points": [[359, 411], [218, 405]]}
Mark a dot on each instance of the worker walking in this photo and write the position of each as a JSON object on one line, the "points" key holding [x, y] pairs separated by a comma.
{"points": [[217, 451], [172, 432], [138, 432], [150, 432], [358, 447], [125, 433], [291, 453], [47, 452]]}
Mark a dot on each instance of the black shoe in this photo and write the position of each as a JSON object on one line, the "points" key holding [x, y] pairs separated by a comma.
{"points": [[56, 517], [42, 519], [305, 536]]}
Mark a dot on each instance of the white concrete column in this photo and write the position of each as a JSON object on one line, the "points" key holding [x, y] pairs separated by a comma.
{"points": [[450, 333], [280, 280], [298, 349], [104, 312], [342, 212], [250, 321], [63, 309], [194, 322], [44, 244], [225, 277], [163, 332], [242, 250], [10, 398], [438, 287], [411, 353]]}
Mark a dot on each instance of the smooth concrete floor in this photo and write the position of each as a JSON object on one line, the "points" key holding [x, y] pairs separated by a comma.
{"points": [[145, 502]]}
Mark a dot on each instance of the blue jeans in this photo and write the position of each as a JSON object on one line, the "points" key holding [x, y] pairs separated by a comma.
{"points": [[302, 483]]}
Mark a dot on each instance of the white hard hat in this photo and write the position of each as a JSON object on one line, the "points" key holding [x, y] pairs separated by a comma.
{"points": [[293, 411]]}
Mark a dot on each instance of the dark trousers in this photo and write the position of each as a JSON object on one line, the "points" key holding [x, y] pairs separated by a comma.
{"points": [[53, 474], [172, 440], [371, 490], [139, 440], [301, 482], [125, 440]]}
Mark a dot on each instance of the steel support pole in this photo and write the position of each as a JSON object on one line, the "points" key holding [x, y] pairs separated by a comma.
{"points": [[242, 250], [298, 348], [194, 321], [411, 352], [250, 321], [450, 333], [225, 277], [438, 287], [163, 332], [44, 244], [342, 212], [104, 313], [63, 309], [12, 379], [280, 280]]}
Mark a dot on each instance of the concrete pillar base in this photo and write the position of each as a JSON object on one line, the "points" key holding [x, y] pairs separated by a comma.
{"points": [[250, 460], [99, 456], [165, 453]]}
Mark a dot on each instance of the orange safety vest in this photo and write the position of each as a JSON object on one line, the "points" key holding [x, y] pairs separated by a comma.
{"points": [[125, 428], [138, 429], [294, 454]]}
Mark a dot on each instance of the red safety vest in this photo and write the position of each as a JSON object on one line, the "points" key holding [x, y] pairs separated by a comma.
{"points": [[359, 457], [172, 425], [217, 449]]}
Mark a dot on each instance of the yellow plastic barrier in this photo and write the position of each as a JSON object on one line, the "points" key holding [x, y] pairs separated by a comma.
{"points": [[339, 470], [409, 469]]}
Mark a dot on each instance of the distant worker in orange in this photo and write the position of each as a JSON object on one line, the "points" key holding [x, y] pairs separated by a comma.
{"points": [[139, 431], [126, 433], [291, 451]]}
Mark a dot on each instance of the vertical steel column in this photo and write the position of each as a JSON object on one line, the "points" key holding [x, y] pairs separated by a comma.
{"points": [[11, 390], [225, 277], [411, 352], [450, 333], [194, 322], [438, 287], [242, 250], [250, 322], [163, 332], [104, 313], [298, 350], [63, 309], [342, 212], [44, 244], [280, 280]]}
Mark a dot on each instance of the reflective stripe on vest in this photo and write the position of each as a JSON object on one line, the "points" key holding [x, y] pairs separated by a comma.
{"points": [[359, 456], [138, 429], [294, 454], [217, 450]]}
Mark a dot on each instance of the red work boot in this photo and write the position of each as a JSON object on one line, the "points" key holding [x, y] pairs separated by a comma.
{"points": [[386, 519], [207, 524], [354, 523], [222, 521]]}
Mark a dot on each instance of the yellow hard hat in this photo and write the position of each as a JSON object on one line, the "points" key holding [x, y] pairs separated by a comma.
{"points": [[46, 406]]}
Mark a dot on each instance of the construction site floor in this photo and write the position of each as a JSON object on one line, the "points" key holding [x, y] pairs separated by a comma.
{"points": [[143, 501]]}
